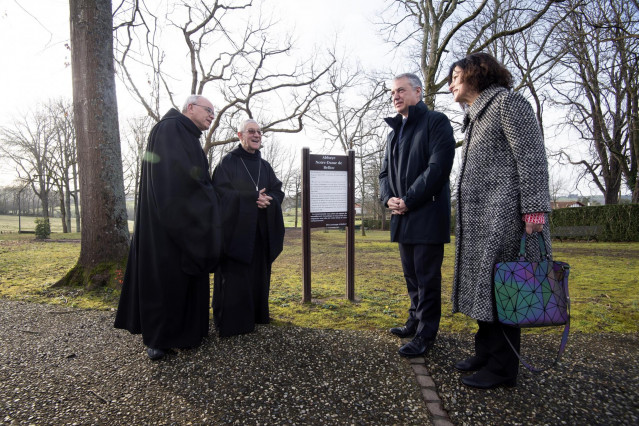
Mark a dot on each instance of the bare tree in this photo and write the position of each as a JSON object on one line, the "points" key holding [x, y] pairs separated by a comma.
{"points": [[435, 28], [135, 137], [11, 199], [529, 54], [294, 190], [64, 159], [598, 84], [28, 144], [350, 117], [557, 184], [284, 160], [105, 234], [372, 167], [19, 199], [231, 51], [6, 200]]}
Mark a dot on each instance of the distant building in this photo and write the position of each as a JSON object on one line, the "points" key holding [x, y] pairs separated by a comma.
{"points": [[564, 204]]}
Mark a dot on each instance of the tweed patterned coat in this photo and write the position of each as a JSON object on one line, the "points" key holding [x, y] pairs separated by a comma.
{"points": [[503, 175]]}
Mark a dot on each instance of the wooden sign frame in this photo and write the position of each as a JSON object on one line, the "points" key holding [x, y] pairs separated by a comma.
{"points": [[330, 164]]}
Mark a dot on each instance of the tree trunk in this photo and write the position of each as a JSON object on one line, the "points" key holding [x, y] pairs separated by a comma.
{"points": [[63, 211], [44, 207], [633, 179], [297, 200], [105, 234], [67, 204], [74, 194]]}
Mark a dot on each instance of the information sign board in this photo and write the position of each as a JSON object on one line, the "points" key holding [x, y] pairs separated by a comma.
{"points": [[328, 190]]}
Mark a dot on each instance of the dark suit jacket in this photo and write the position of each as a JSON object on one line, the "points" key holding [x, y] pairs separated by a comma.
{"points": [[418, 173]]}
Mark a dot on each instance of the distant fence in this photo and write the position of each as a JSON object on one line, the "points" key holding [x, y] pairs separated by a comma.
{"points": [[16, 232]]}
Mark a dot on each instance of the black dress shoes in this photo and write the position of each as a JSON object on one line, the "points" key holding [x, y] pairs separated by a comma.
{"points": [[473, 363], [404, 331], [484, 379], [155, 354], [417, 347]]}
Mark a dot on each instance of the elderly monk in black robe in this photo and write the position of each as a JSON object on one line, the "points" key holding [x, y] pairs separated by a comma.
{"points": [[177, 239], [251, 204]]}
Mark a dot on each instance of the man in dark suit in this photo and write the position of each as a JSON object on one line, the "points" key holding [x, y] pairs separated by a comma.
{"points": [[414, 185]]}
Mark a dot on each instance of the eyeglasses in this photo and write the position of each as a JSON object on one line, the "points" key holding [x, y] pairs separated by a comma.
{"points": [[254, 132], [207, 109]]}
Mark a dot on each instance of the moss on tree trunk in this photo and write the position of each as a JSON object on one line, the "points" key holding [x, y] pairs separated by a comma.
{"points": [[106, 274]]}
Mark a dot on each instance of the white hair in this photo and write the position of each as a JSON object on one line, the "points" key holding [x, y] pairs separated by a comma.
{"points": [[192, 99], [244, 123]]}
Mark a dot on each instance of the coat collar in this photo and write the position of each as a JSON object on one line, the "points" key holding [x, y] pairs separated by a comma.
{"points": [[186, 121], [480, 104], [413, 111], [242, 153]]}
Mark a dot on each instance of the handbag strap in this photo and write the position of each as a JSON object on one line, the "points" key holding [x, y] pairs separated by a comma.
{"points": [[542, 247], [562, 345]]}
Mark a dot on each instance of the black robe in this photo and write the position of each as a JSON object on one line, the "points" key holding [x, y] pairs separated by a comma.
{"points": [[253, 238], [176, 243]]}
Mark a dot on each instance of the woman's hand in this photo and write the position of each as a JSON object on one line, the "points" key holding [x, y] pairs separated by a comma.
{"points": [[534, 227]]}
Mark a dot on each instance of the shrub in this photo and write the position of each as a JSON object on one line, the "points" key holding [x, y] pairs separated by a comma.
{"points": [[42, 228], [372, 223]]}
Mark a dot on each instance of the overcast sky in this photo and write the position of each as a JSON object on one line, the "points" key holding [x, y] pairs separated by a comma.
{"points": [[36, 59], [35, 37]]}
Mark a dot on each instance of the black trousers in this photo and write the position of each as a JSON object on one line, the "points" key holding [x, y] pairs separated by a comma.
{"points": [[422, 265], [491, 345]]}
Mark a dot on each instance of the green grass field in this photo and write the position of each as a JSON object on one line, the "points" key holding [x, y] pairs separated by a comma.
{"points": [[604, 282], [11, 224]]}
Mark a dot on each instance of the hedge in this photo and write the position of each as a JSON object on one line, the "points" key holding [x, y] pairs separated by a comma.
{"points": [[617, 222], [374, 223]]}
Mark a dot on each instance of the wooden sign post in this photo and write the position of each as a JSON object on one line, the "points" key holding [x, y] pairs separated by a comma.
{"points": [[328, 200]]}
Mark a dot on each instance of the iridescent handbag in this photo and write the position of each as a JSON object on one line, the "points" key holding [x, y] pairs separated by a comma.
{"points": [[533, 294]]}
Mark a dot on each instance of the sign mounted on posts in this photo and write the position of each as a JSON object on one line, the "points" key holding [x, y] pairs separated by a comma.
{"points": [[328, 200], [329, 190]]}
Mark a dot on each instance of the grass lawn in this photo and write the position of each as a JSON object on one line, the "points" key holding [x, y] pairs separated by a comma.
{"points": [[9, 223], [604, 282]]}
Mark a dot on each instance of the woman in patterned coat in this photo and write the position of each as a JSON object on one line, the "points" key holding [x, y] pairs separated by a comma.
{"points": [[502, 191]]}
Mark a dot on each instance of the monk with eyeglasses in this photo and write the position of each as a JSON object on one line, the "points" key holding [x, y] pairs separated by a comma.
{"points": [[251, 205], [177, 238]]}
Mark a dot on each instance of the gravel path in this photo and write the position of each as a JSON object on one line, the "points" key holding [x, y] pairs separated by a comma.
{"points": [[62, 366], [596, 383]]}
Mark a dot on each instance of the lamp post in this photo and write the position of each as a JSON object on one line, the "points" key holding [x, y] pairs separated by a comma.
{"points": [[20, 208]]}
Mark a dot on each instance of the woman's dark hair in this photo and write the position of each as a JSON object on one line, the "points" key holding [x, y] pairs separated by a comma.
{"points": [[481, 70]]}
